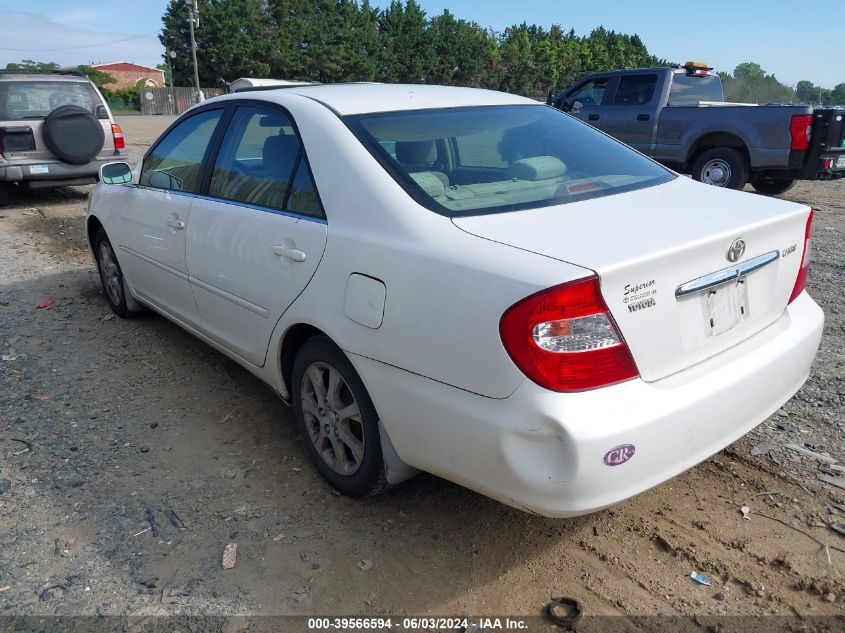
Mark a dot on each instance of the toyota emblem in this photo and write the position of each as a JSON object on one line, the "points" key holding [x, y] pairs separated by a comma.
{"points": [[736, 250]]}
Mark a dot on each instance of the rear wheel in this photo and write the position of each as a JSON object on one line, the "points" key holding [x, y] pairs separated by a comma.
{"points": [[111, 276], [337, 419], [772, 186], [721, 167], [4, 194]]}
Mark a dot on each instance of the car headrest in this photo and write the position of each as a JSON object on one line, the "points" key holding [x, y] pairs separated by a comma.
{"points": [[434, 183], [537, 168], [416, 152], [280, 152]]}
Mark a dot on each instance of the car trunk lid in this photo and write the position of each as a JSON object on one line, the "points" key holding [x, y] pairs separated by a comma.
{"points": [[662, 257]]}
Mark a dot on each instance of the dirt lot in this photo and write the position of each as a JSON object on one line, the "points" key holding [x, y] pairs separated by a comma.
{"points": [[106, 423]]}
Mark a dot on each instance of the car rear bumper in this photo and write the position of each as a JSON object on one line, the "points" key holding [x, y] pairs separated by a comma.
{"points": [[49, 172], [546, 452]]}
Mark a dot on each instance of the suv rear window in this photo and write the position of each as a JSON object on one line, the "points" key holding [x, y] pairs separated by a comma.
{"points": [[21, 100], [471, 161]]}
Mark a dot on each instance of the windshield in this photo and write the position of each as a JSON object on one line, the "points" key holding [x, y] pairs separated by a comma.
{"points": [[691, 89], [21, 100], [470, 161]]}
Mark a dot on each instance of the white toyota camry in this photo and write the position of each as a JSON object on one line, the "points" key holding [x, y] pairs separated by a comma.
{"points": [[465, 282]]}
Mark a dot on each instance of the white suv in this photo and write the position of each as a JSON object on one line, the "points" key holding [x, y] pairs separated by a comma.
{"points": [[54, 130]]}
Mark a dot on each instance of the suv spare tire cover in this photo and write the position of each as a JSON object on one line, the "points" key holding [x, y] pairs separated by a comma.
{"points": [[73, 134]]}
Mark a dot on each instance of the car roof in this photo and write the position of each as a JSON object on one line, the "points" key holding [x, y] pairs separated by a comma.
{"points": [[361, 98]]}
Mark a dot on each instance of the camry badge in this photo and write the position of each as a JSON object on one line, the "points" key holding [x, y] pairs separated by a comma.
{"points": [[736, 250]]}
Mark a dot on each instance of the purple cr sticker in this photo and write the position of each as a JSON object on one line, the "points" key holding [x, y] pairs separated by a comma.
{"points": [[619, 455]]}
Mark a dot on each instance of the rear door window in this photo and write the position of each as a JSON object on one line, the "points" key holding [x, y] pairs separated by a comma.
{"points": [[23, 100], [635, 90], [258, 161], [175, 162]]}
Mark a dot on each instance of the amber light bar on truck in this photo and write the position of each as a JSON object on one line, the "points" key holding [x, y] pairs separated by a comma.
{"points": [[699, 69]]}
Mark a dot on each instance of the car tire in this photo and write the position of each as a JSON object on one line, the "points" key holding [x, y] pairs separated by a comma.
{"points": [[772, 186], [337, 419], [4, 194], [111, 277], [721, 167]]}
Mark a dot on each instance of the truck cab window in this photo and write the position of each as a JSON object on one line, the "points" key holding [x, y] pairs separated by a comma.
{"points": [[635, 90], [590, 93]]}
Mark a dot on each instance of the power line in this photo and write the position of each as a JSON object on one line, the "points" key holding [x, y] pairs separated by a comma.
{"points": [[73, 48]]}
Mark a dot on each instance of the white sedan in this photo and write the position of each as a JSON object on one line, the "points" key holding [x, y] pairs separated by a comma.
{"points": [[465, 282]]}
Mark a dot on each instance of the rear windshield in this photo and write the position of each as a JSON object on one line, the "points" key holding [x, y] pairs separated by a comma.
{"points": [[21, 100], [690, 89], [471, 161]]}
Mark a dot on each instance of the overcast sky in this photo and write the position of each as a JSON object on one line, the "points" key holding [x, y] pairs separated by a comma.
{"points": [[790, 39]]}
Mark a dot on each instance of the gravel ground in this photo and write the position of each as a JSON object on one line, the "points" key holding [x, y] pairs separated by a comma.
{"points": [[109, 426]]}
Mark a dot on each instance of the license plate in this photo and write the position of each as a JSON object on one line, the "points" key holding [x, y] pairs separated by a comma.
{"points": [[726, 306], [39, 169], [840, 162]]}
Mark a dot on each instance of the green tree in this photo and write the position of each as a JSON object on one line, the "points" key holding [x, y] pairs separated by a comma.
{"points": [[30, 66], [97, 77], [462, 50], [408, 52], [806, 91]]}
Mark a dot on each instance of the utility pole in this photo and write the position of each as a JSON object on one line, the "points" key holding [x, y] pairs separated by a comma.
{"points": [[193, 16]]}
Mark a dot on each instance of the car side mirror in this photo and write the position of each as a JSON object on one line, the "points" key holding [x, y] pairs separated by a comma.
{"points": [[100, 112], [115, 173]]}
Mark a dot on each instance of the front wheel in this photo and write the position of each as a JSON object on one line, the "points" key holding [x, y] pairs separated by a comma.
{"points": [[772, 186], [337, 419], [111, 276], [721, 167]]}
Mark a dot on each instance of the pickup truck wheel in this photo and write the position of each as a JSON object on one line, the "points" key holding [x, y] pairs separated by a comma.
{"points": [[772, 186], [721, 167], [337, 419]]}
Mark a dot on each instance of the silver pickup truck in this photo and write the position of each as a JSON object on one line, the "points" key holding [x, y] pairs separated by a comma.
{"points": [[678, 116]]}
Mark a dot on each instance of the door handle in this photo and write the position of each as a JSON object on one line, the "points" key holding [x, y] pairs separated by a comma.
{"points": [[593, 117], [176, 224], [643, 117], [292, 254]]}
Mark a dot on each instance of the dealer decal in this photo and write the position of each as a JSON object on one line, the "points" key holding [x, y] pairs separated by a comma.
{"points": [[619, 455], [640, 296]]}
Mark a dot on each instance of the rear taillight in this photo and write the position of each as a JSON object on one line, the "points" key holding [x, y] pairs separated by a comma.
{"points": [[801, 280], [119, 142], [800, 129], [565, 339]]}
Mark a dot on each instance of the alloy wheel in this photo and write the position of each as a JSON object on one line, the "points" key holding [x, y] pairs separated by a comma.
{"points": [[332, 418]]}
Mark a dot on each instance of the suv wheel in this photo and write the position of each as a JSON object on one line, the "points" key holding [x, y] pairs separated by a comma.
{"points": [[4, 194]]}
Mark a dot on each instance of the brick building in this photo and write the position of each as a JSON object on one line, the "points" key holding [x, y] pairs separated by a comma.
{"points": [[127, 75]]}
